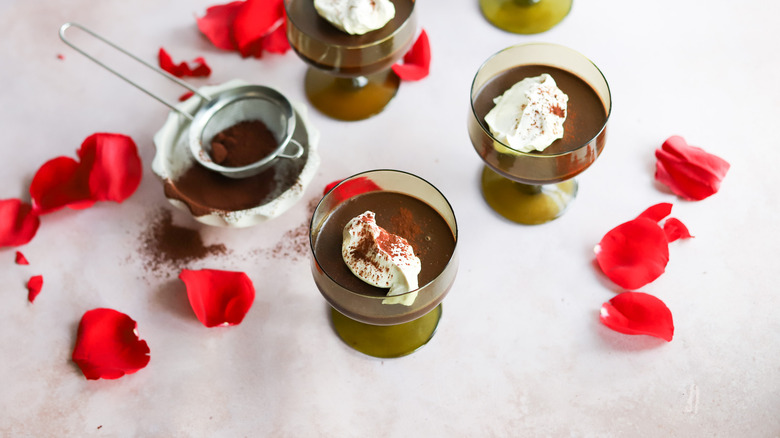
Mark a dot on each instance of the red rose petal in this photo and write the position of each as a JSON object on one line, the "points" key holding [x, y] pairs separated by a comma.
{"points": [[109, 169], [18, 222], [417, 61], [60, 182], [657, 212], [255, 20], [21, 259], [186, 96], [638, 313], [34, 286], [675, 229], [218, 298], [353, 187], [183, 69], [114, 165], [330, 186], [689, 171], [201, 70], [276, 41], [107, 345], [217, 24], [633, 253]]}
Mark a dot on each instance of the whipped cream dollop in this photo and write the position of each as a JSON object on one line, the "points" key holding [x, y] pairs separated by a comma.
{"points": [[529, 116], [356, 17], [380, 258]]}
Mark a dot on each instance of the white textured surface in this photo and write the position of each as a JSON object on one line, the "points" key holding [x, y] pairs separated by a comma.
{"points": [[519, 352]]}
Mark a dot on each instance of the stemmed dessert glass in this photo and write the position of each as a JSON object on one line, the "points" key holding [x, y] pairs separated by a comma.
{"points": [[372, 323], [525, 16], [536, 187], [349, 76]]}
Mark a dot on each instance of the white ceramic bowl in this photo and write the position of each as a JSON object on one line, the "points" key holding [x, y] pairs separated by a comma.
{"points": [[173, 158]]}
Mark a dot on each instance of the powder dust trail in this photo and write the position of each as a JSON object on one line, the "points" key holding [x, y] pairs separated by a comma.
{"points": [[168, 248]]}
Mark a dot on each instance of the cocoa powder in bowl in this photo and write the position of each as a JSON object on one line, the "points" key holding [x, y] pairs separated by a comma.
{"points": [[205, 191]]}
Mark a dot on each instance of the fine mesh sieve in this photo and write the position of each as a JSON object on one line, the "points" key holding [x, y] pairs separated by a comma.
{"points": [[219, 112]]}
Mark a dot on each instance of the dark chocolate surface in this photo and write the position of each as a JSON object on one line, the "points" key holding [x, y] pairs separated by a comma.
{"points": [[434, 244], [585, 113], [306, 18]]}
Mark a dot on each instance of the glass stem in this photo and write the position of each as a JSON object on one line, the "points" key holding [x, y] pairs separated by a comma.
{"points": [[529, 189], [355, 83]]}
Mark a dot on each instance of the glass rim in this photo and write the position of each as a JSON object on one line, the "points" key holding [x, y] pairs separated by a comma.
{"points": [[535, 154], [378, 42], [363, 173]]}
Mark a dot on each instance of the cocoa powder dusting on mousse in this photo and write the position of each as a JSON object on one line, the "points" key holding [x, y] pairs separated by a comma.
{"points": [[169, 247], [405, 225]]}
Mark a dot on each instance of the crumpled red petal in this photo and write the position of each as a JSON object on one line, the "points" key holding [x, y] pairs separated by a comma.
{"points": [[60, 182], [675, 230], [218, 298], [217, 24], [254, 21], [108, 346], [21, 259], [417, 61], [115, 168], [249, 27], [109, 169], [34, 286], [186, 96], [353, 187], [689, 172], [182, 69], [638, 313], [18, 222]]}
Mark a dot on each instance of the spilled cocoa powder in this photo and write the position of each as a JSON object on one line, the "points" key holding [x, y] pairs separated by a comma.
{"points": [[294, 245], [166, 246]]}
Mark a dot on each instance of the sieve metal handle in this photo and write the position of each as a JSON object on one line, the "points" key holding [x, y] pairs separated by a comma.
{"points": [[173, 78], [298, 150]]}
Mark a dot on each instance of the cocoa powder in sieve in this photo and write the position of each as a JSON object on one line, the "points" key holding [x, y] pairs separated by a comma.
{"points": [[242, 144]]}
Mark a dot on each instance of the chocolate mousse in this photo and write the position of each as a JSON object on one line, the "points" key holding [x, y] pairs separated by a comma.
{"points": [[324, 46], [586, 114], [405, 216]]}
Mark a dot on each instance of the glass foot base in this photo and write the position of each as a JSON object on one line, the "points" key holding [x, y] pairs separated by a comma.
{"points": [[524, 203], [525, 16], [350, 98], [386, 341]]}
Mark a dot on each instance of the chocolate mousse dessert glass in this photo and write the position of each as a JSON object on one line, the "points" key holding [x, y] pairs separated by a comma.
{"points": [[536, 187], [364, 316], [525, 16], [349, 76]]}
